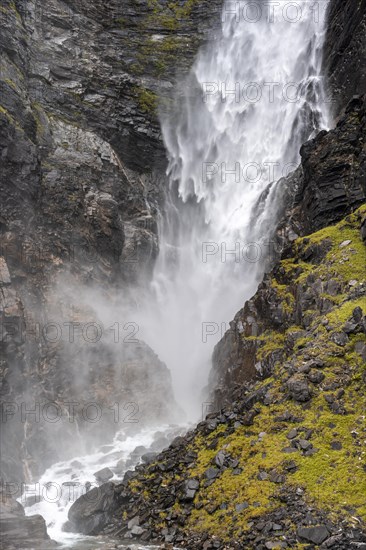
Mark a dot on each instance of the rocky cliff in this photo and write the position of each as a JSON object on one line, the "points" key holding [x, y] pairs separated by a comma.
{"points": [[345, 52], [284, 464], [82, 180], [282, 461]]}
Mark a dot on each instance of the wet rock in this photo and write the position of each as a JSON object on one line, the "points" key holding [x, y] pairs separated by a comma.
{"points": [[103, 475], [137, 531], [133, 522], [129, 475], [90, 513], [21, 531], [148, 458]]}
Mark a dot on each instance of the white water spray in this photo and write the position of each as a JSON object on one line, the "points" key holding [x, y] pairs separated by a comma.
{"points": [[252, 98]]}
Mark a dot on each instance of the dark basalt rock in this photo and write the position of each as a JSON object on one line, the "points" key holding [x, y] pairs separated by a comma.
{"points": [[316, 535], [344, 57], [90, 513], [81, 182]]}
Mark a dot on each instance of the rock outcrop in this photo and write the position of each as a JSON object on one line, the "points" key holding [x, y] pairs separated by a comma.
{"points": [[81, 182], [331, 184], [345, 52], [19, 530]]}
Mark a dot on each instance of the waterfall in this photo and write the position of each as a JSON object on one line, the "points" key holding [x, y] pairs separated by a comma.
{"points": [[251, 99]]}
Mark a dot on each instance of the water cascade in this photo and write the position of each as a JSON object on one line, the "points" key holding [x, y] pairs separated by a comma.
{"points": [[251, 99]]}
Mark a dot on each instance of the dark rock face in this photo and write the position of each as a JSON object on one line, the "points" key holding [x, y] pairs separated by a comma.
{"points": [[345, 51], [20, 531], [334, 168], [90, 513], [81, 182]]}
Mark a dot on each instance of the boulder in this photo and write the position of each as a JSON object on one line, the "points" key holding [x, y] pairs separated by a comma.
{"points": [[90, 513], [103, 475], [299, 388], [316, 534]]}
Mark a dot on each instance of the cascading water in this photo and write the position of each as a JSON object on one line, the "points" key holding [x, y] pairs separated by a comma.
{"points": [[252, 98]]}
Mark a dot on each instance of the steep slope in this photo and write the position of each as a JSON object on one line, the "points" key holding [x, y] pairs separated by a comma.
{"points": [[345, 51], [282, 462]]}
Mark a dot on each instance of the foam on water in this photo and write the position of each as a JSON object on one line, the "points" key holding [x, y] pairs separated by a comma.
{"points": [[64, 482]]}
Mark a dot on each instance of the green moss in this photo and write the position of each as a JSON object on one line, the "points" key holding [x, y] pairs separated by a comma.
{"points": [[341, 314], [333, 480], [147, 100], [269, 342]]}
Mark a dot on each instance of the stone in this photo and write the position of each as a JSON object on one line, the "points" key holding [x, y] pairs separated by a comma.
{"points": [[193, 484], [357, 314], [304, 444], [103, 475], [92, 511], [4, 272], [316, 534], [292, 434], [211, 473], [137, 530], [299, 388], [269, 545], [134, 521], [345, 243], [336, 445], [339, 338], [130, 474], [148, 458], [241, 507], [220, 459], [316, 377]]}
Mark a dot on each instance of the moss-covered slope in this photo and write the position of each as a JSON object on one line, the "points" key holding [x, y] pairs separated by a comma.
{"points": [[285, 464]]}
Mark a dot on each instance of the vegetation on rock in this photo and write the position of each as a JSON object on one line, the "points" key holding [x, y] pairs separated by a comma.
{"points": [[291, 450]]}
